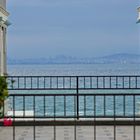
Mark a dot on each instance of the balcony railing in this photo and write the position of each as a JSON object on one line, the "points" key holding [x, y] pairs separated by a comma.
{"points": [[74, 100], [73, 82], [76, 105]]}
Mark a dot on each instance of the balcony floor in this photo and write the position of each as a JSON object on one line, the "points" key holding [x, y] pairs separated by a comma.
{"points": [[68, 132]]}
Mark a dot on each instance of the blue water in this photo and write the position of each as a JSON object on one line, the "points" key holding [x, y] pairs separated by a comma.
{"points": [[76, 70]]}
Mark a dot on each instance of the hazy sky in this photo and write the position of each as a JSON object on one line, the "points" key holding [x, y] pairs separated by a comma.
{"points": [[42, 28]]}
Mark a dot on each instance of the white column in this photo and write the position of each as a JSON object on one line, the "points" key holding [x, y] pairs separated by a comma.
{"points": [[4, 51], [1, 52]]}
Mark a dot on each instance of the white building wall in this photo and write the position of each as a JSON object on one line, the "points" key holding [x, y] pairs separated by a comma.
{"points": [[3, 3]]}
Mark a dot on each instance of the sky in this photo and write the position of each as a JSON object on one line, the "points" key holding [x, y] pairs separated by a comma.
{"points": [[81, 28]]}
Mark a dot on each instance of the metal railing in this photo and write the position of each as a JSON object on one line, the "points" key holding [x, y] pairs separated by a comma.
{"points": [[68, 106], [72, 82], [76, 107]]}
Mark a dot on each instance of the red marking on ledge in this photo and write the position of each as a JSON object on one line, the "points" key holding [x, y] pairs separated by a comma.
{"points": [[7, 122]]}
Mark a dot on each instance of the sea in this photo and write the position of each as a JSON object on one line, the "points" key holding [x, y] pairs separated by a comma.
{"points": [[76, 70]]}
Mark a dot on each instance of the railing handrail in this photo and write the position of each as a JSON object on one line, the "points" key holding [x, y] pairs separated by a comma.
{"points": [[118, 82], [75, 94], [73, 76]]}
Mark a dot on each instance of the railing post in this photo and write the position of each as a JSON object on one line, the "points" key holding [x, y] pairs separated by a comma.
{"points": [[77, 92]]}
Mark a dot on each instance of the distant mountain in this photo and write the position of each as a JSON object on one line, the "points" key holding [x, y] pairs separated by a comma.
{"points": [[62, 59], [121, 58]]}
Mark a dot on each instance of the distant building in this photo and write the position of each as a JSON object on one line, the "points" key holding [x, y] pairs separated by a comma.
{"points": [[3, 29]]}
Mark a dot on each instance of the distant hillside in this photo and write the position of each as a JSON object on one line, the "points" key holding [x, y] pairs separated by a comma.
{"points": [[116, 58], [121, 58]]}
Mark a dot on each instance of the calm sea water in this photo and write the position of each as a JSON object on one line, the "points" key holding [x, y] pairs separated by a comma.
{"points": [[75, 69]]}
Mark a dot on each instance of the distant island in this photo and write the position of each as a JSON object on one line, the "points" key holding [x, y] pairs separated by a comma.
{"points": [[62, 59]]}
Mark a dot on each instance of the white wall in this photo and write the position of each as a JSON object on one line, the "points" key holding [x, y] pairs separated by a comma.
{"points": [[3, 3]]}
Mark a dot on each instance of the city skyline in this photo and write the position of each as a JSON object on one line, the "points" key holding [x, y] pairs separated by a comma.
{"points": [[75, 28]]}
